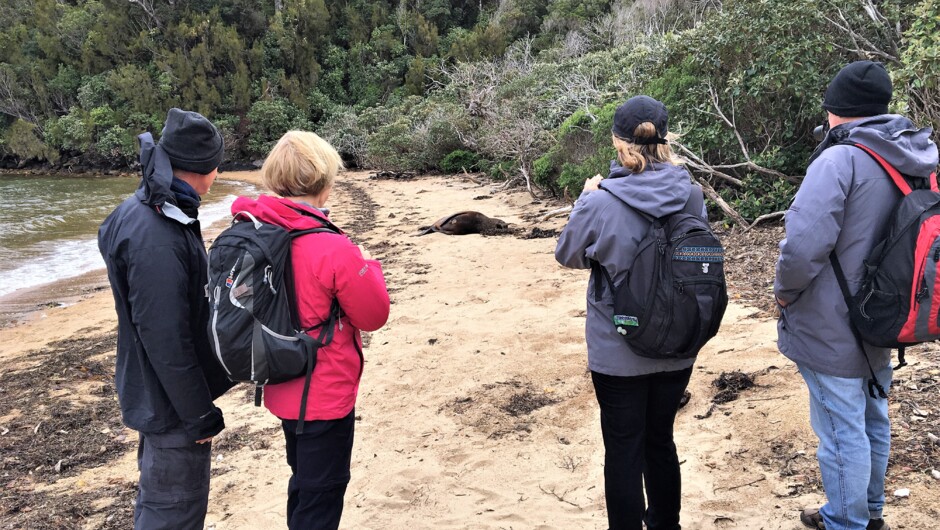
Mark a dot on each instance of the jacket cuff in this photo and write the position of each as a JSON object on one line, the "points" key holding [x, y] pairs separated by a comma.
{"points": [[208, 425]]}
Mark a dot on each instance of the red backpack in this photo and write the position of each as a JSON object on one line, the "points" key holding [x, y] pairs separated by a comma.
{"points": [[898, 302]]}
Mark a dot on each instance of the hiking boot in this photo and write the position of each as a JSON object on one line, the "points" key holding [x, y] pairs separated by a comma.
{"points": [[811, 518]]}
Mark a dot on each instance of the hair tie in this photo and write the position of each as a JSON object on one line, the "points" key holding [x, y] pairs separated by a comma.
{"points": [[650, 141]]}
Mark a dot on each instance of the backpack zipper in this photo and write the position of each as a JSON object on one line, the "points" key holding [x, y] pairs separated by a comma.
{"points": [[680, 284], [215, 331]]}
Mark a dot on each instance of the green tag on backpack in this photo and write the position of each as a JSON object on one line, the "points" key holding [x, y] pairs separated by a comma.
{"points": [[624, 320]]}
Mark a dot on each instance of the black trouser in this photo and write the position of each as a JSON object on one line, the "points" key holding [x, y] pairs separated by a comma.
{"points": [[637, 416], [319, 461], [173, 491]]}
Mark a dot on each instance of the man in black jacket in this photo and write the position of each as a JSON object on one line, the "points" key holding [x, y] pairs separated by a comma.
{"points": [[166, 376]]}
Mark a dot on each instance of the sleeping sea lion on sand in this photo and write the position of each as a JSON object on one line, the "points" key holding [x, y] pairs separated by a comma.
{"points": [[462, 223]]}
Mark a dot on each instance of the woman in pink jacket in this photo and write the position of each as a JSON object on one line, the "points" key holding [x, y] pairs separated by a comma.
{"points": [[301, 169]]}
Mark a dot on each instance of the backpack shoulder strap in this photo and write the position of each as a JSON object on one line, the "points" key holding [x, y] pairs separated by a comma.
{"points": [[696, 202], [289, 268]]}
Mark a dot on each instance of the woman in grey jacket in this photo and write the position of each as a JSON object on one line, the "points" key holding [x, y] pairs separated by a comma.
{"points": [[638, 396]]}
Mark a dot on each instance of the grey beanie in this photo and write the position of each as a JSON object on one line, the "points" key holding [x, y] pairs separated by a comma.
{"points": [[191, 142], [861, 89]]}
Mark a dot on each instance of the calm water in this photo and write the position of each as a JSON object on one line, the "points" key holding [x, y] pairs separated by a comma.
{"points": [[49, 225]]}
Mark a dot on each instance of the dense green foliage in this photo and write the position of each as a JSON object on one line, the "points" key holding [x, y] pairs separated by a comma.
{"points": [[520, 89]]}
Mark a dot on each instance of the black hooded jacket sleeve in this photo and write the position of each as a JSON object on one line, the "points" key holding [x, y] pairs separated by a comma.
{"points": [[161, 311]]}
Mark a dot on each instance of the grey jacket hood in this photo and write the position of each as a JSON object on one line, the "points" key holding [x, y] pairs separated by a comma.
{"points": [[909, 149], [660, 190]]}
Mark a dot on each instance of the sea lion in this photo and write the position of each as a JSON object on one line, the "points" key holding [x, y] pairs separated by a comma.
{"points": [[462, 223]]}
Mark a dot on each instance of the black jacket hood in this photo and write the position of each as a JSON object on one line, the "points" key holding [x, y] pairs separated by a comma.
{"points": [[155, 186]]}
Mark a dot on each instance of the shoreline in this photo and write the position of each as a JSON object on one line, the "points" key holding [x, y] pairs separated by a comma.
{"points": [[29, 303]]}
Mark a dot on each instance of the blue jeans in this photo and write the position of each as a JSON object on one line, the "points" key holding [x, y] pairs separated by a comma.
{"points": [[854, 441]]}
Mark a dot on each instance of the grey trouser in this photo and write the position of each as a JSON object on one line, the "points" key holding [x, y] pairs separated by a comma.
{"points": [[174, 482]]}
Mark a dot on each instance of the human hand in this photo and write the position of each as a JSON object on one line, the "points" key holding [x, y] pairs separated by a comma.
{"points": [[365, 253], [591, 184], [204, 440], [781, 303]]}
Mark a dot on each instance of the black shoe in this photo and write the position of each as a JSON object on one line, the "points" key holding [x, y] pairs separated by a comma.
{"points": [[811, 518]]}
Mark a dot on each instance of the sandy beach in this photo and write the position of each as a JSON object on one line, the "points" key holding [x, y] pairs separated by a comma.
{"points": [[475, 411]]}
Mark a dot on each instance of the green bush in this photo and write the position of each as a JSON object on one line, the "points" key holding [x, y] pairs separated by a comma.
{"points": [[392, 147], [459, 160], [21, 140], [117, 146], [920, 65], [269, 120], [72, 132], [345, 133], [500, 169], [411, 134], [582, 150], [759, 196], [94, 92]]}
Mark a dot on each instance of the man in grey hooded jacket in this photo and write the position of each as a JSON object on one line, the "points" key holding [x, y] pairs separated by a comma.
{"points": [[844, 205]]}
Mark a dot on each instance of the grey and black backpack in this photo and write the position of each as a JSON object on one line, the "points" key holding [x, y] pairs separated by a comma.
{"points": [[674, 296], [253, 324]]}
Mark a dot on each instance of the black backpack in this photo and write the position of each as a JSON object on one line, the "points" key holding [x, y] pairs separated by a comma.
{"points": [[253, 323], [674, 296], [897, 303]]}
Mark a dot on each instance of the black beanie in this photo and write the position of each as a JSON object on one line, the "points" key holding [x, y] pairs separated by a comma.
{"points": [[638, 110], [859, 90], [191, 142]]}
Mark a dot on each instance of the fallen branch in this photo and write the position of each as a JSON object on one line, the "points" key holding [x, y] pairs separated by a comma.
{"points": [[557, 496], [761, 169], [766, 398], [697, 163], [555, 213], [725, 207], [766, 217], [729, 488], [468, 176], [708, 413], [528, 182]]}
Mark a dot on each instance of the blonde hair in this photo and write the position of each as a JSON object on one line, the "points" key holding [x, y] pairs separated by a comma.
{"points": [[635, 157], [300, 163]]}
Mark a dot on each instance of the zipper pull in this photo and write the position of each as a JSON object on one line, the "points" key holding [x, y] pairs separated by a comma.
{"points": [[921, 295], [680, 286]]}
